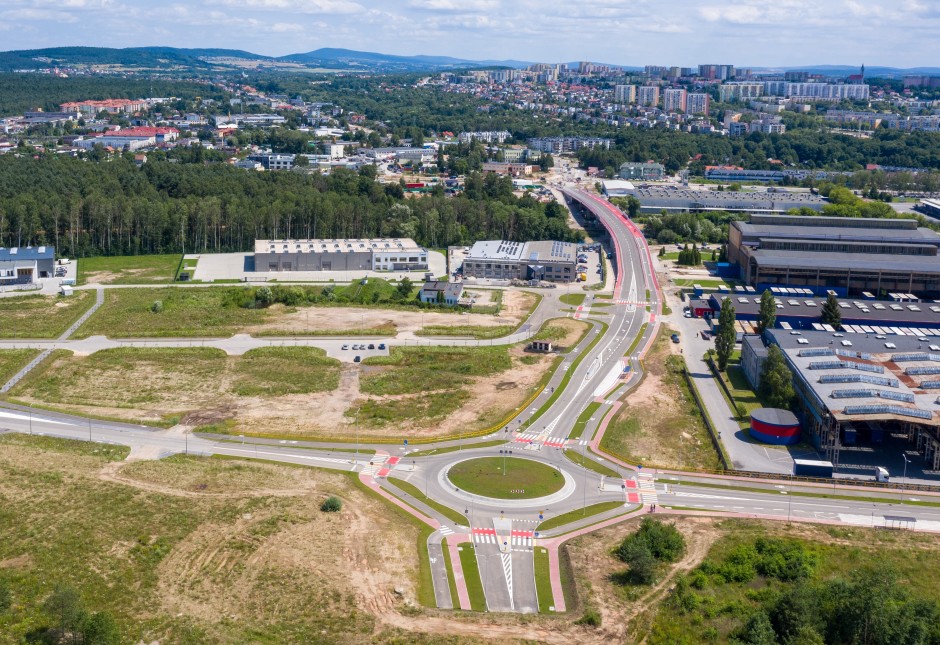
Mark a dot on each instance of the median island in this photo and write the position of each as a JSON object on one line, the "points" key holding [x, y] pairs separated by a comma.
{"points": [[506, 478]]}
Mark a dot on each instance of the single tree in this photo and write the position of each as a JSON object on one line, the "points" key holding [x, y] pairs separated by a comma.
{"points": [[831, 313], [727, 335], [404, 288], [264, 297], [768, 312], [776, 379]]}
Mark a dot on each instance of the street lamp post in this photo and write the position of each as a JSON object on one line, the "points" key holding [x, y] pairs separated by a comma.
{"points": [[357, 435], [904, 479]]}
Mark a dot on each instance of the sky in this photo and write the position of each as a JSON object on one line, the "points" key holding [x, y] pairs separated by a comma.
{"points": [[898, 33]]}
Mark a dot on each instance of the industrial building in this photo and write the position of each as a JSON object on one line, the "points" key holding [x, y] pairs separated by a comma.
{"points": [[656, 199], [850, 256], [551, 261], [643, 171], [395, 254], [866, 395], [435, 291], [24, 265]]}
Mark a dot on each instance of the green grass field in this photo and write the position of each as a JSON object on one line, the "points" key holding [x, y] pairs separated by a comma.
{"points": [[195, 312], [573, 299], [36, 316], [129, 269], [583, 419], [510, 478], [412, 370], [13, 360], [171, 380]]}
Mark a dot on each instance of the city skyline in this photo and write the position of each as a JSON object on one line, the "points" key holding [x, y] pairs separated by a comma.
{"points": [[676, 32]]}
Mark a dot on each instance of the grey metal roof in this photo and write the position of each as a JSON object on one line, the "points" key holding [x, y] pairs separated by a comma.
{"points": [[870, 262], [922, 235], [854, 312]]}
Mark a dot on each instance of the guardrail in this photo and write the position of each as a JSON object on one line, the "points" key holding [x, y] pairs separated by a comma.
{"points": [[828, 481]]}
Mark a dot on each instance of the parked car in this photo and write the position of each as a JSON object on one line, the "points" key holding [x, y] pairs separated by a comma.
{"points": [[345, 347], [705, 335], [358, 359], [381, 345], [371, 346], [675, 338]]}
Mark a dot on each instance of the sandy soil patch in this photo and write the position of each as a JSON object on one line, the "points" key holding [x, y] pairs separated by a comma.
{"points": [[516, 304]]}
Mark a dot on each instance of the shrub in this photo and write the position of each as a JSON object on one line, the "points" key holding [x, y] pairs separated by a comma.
{"points": [[156, 307], [6, 596], [331, 505], [591, 618], [663, 541]]}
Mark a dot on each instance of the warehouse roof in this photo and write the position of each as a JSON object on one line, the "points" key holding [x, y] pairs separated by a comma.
{"points": [[868, 262], [876, 312], [337, 245], [918, 235]]}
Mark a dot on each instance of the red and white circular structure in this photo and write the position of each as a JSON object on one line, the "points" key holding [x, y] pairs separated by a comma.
{"points": [[775, 426]]}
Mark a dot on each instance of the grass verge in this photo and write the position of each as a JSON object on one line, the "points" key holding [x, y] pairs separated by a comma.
{"points": [[415, 492], [578, 514], [35, 316], [451, 580], [583, 420], [471, 575], [573, 299], [13, 360], [590, 464], [470, 446], [472, 331], [543, 581]]}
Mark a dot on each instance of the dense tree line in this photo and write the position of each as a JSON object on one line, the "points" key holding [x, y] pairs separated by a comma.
{"points": [[805, 147], [669, 228], [23, 92], [113, 207]]}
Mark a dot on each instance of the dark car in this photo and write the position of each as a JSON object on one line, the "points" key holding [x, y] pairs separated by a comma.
{"points": [[381, 345], [371, 346], [358, 359], [675, 338]]}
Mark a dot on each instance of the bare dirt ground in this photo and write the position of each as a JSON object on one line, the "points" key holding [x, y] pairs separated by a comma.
{"points": [[516, 304]]}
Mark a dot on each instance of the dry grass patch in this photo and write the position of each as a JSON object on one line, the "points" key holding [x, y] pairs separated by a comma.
{"points": [[659, 423]]}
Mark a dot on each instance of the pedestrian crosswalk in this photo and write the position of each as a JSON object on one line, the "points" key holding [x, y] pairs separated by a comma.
{"points": [[540, 438], [446, 530], [516, 538], [647, 488]]}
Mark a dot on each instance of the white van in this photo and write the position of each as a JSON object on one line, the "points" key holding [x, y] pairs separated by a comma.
{"points": [[881, 474]]}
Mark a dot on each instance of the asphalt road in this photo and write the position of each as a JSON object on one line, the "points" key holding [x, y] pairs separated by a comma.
{"points": [[503, 531]]}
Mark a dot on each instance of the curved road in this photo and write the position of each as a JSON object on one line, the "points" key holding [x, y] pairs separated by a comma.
{"points": [[503, 532]]}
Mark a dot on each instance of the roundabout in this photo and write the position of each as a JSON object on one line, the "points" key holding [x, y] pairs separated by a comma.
{"points": [[527, 484], [506, 478]]}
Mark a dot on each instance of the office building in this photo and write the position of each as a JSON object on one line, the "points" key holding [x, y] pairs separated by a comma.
{"points": [[642, 171], [502, 260]]}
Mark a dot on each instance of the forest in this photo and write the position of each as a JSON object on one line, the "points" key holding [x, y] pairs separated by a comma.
{"points": [[87, 207]]}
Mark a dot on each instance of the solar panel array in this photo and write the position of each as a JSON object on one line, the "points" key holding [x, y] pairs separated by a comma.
{"points": [[858, 378], [888, 409], [846, 365], [920, 356], [872, 394], [815, 351], [921, 371], [850, 354], [930, 385]]}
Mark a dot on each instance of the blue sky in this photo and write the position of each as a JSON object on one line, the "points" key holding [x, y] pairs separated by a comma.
{"points": [[899, 33]]}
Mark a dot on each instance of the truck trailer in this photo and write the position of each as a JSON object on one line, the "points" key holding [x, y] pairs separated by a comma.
{"points": [[812, 468]]}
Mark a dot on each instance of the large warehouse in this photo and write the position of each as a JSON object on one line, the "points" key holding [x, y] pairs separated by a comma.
{"points": [[395, 254], [867, 401], [655, 199], [551, 261], [847, 255]]}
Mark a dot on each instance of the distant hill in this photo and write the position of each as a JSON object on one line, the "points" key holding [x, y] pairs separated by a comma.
{"points": [[870, 71], [347, 58], [172, 57]]}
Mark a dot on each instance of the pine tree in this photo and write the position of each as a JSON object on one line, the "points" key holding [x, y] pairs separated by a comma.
{"points": [[726, 336], [831, 313], [768, 312]]}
